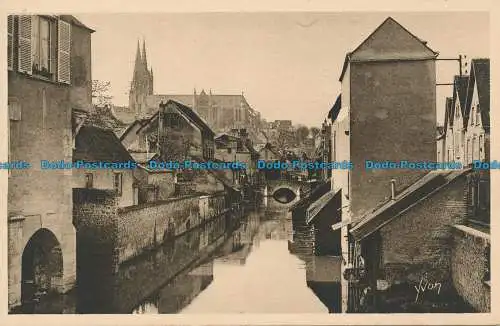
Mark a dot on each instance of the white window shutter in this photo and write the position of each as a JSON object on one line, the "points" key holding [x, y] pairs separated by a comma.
{"points": [[24, 54], [64, 52], [14, 111], [10, 42]]}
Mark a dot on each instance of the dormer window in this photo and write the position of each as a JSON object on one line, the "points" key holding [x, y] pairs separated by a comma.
{"points": [[472, 115]]}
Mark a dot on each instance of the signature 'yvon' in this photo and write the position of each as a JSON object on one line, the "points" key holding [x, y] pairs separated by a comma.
{"points": [[426, 285]]}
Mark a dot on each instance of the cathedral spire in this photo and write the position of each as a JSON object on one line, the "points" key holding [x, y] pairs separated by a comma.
{"points": [[151, 90], [144, 59], [138, 64]]}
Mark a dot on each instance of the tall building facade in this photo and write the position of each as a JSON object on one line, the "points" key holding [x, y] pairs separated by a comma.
{"points": [[388, 100], [49, 85]]}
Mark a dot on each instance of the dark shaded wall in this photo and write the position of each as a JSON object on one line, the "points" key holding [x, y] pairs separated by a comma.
{"points": [[418, 243], [81, 68], [393, 117]]}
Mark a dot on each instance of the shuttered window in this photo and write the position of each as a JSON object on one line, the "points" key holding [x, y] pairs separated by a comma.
{"points": [[89, 180], [64, 48], [117, 183], [10, 42], [484, 195], [14, 110], [24, 55]]}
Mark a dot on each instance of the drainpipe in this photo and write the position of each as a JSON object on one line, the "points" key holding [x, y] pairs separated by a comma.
{"points": [[393, 189]]}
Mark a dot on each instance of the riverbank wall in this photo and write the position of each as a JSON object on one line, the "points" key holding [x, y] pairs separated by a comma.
{"points": [[117, 245]]}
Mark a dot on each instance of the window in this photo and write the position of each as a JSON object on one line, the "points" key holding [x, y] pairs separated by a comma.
{"points": [[475, 148], [14, 109], [348, 183], [481, 147], [36, 50], [89, 180], [467, 152], [40, 46], [334, 145], [473, 114], [10, 41], [457, 144], [478, 117], [136, 196], [117, 183], [483, 195]]}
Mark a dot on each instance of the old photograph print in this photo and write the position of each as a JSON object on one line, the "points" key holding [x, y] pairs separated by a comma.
{"points": [[183, 163]]}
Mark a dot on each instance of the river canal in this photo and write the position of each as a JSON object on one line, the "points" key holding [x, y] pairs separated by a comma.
{"points": [[257, 263], [248, 267]]}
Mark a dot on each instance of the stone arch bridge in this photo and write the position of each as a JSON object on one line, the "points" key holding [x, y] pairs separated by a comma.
{"points": [[285, 191]]}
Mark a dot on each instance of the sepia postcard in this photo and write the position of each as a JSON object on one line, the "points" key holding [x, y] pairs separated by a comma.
{"points": [[324, 164]]}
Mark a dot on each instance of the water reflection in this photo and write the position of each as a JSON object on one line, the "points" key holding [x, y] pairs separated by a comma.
{"points": [[179, 292], [270, 280], [323, 273], [259, 264]]}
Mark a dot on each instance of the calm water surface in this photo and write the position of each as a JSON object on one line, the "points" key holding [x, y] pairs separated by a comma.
{"points": [[257, 264], [252, 272]]}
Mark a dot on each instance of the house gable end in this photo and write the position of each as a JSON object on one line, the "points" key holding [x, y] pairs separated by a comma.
{"points": [[391, 41]]}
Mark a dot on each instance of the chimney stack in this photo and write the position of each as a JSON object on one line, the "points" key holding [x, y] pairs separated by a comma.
{"points": [[393, 189]]}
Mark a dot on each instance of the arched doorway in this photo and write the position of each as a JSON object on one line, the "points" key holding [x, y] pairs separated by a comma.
{"points": [[42, 266]]}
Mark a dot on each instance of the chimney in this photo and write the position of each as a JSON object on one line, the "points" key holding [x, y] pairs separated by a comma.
{"points": [[393, 189], [194, 99], [464, 69]]}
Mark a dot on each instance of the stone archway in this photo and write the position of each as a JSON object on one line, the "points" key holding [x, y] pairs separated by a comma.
{"points": [[284, 195], [42, 266]]}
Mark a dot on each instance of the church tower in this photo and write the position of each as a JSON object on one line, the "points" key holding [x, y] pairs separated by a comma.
{"points": [[142, 83]]}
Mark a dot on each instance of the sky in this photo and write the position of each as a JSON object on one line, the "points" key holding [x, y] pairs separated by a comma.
{"points": [[287, 64]]}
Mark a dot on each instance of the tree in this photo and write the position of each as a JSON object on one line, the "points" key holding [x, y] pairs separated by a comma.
{"points": [[100, 92], [314, 131], [302, 133], [284, 140]]}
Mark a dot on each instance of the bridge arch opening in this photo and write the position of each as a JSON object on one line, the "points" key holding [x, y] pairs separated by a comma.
{"points": [[42, 266], [284, 195]]}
